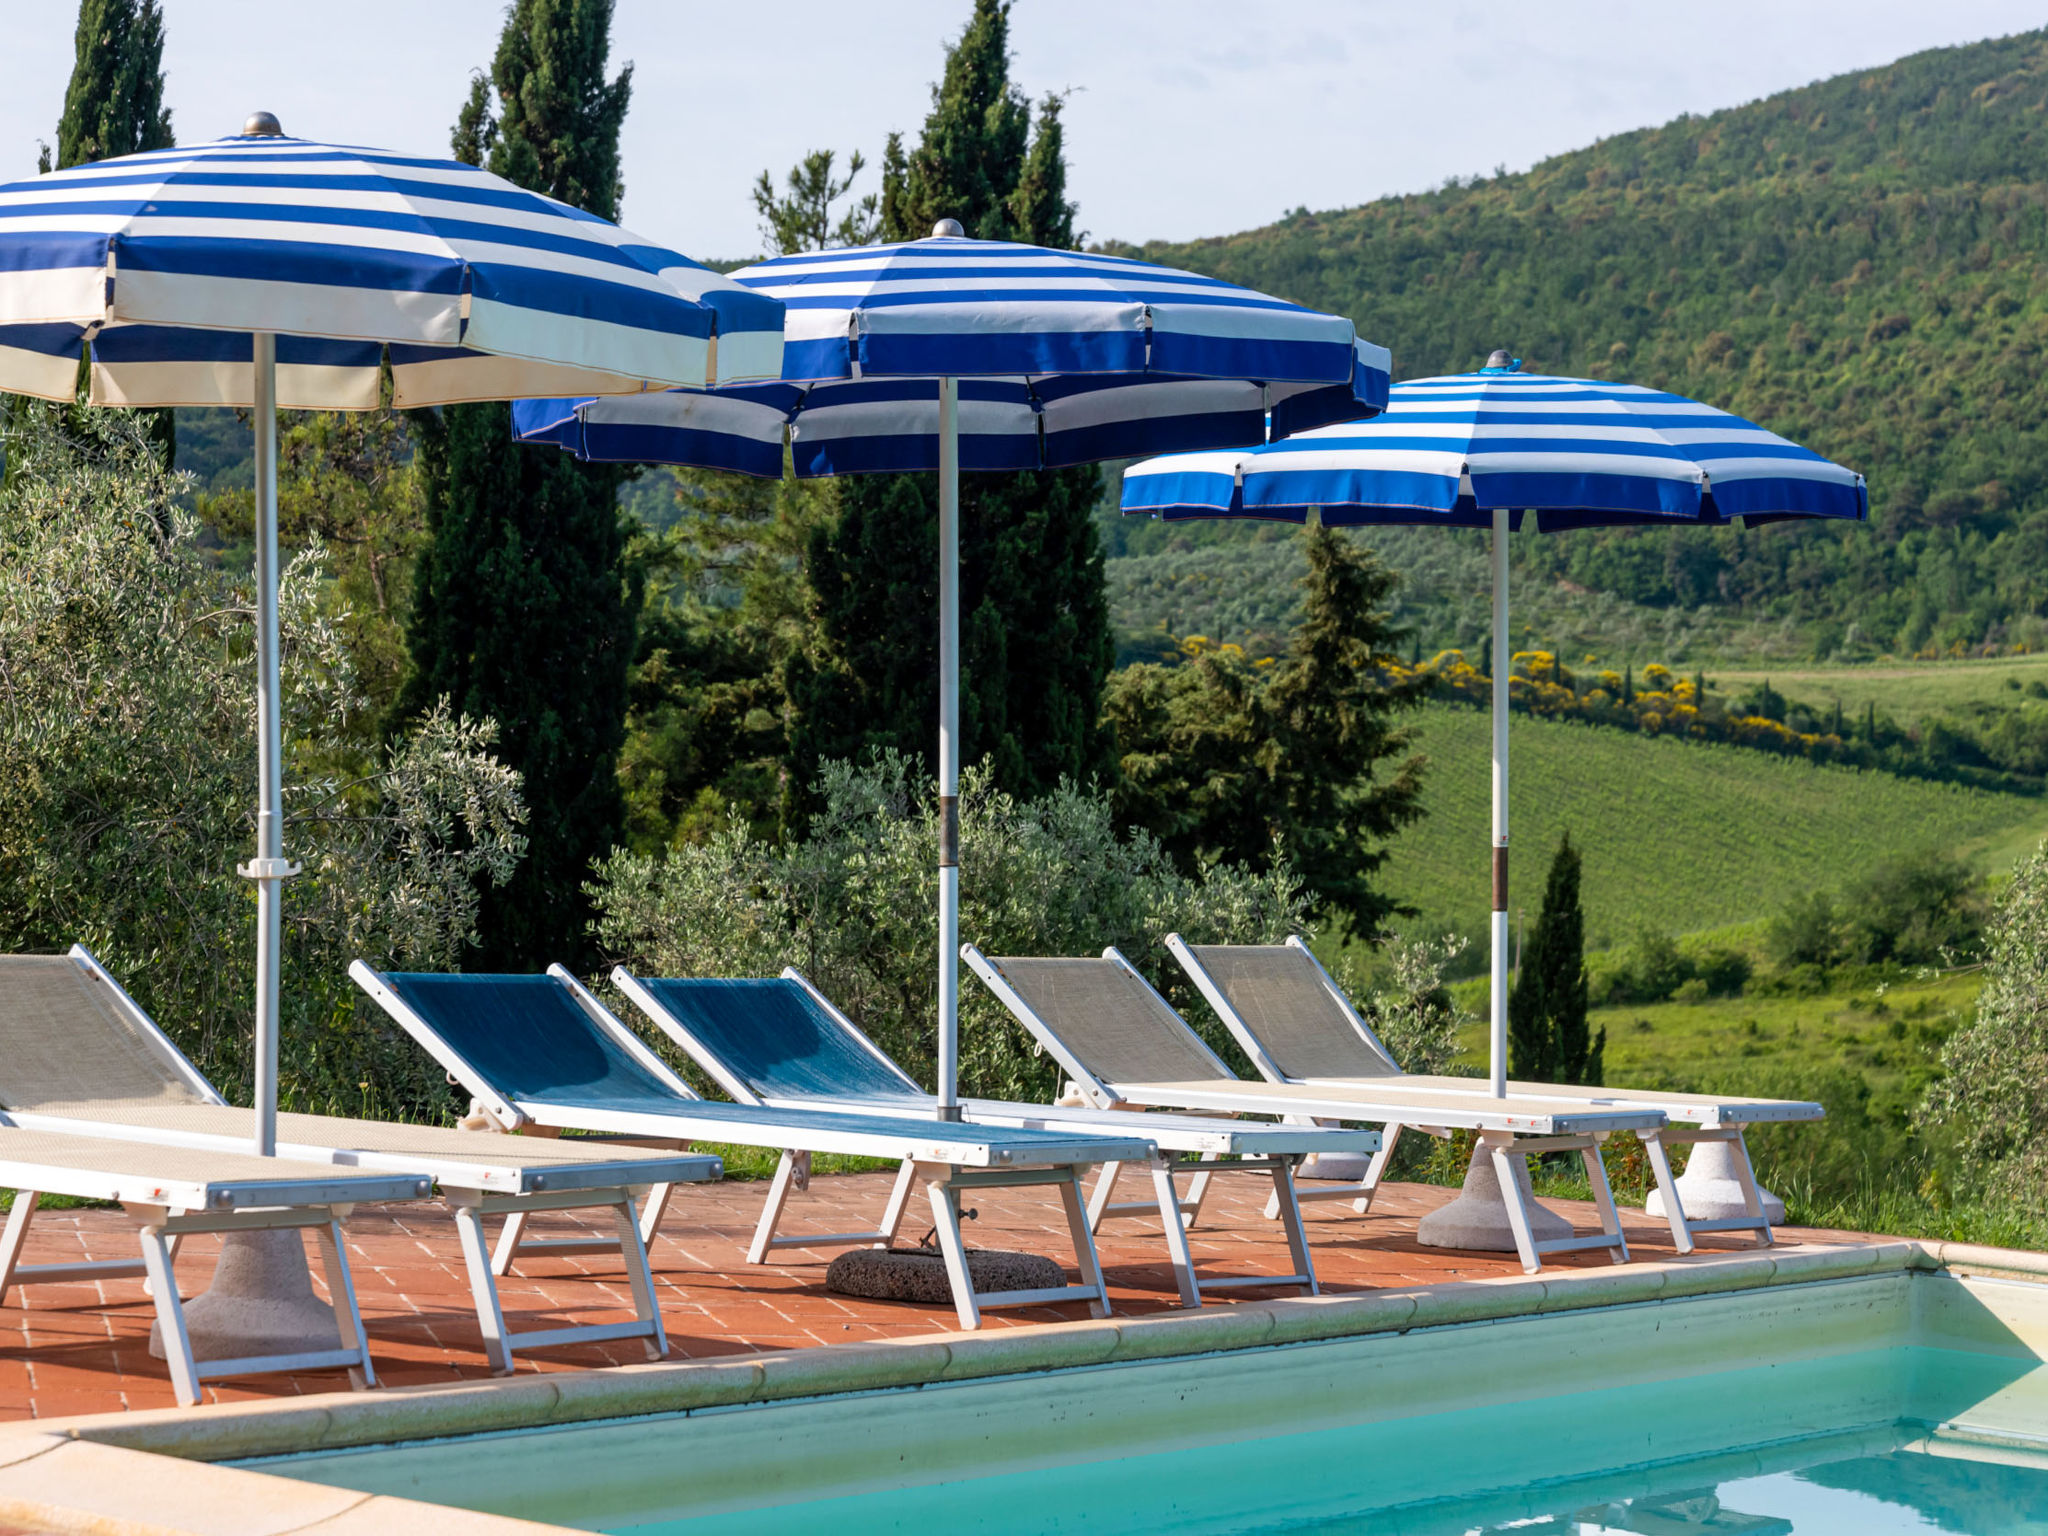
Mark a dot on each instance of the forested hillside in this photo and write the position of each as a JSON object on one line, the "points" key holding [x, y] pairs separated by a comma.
{"points": [[1861, 265]]}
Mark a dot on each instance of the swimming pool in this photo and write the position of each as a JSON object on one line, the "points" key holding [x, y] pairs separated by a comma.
{"points": [[1902, 1401]]}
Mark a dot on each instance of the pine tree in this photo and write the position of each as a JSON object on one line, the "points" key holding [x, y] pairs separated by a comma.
{"points": [[1226, 761], [114, 105], [1548, 1036], [523, 607], [1036, 640]]}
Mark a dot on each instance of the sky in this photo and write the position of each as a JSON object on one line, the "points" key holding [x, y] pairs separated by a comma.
{"points": [[1184, 117]]}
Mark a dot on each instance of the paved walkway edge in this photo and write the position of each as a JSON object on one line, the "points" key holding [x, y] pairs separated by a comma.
{"points": [[148, 1472]]}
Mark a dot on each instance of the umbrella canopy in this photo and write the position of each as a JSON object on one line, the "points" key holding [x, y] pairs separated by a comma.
{"points": [[270, 272], [948, 353], [1450, 451], [480, 290], [1486, 450], [1066, 358]]}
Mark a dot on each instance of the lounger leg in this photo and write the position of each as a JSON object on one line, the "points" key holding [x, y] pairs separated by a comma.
{"points": [[341, 1296], [1752, 1197], [1198, 1191], [1176, 1233], [509, 1237], [16, 1234], [1506, 1163], [1290, 1219], [946, 1220], [1105, 1186], [483, 1289], [1603, 1197], [652, 1212], [771, 1213], [170, 1316], [1377, 1169], [640, 1277], [1084, 1241], [899, 1201], [1674, 1207]]}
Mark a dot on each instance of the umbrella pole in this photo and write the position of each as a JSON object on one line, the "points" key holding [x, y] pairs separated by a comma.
{"points": [[1499, 1016], [949, 749], [268, 869], [261, 1301]]}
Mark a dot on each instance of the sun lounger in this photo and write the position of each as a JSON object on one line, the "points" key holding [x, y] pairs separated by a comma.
{"points": [[1122, 1043], [78, 1055], [540, 1050], [780, 1041], [178, 1191], [1297, 1026]]}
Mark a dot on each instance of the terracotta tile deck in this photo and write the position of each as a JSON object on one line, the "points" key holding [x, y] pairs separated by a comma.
{"points": [[83, 1348]]}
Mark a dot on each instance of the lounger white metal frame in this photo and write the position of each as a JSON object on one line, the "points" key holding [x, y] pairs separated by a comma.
{"points": [[1203, 1146], [234, 1194], [1691, 1118], [1510, 1130], [472, 1182], [946, 1160]]}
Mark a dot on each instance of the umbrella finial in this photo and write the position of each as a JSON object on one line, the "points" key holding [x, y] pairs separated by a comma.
{"points": [[946, 228], [262, 125], [1501, 358]]}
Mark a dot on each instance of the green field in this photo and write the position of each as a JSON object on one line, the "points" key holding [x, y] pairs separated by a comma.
{"points": [[1906, 690], [1678, 836]]}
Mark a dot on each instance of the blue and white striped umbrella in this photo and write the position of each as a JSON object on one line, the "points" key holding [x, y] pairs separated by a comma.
{"points": [[167, 262], [951, 354], [1064, 358], [1449, 451], [1485, 449], [266, 271]]}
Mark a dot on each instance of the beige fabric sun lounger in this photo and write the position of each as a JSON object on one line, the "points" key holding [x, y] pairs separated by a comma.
{"points": [[1297, 1026], [778, 1040], [79, 1056], [177, 1191], [1122, 1043]]}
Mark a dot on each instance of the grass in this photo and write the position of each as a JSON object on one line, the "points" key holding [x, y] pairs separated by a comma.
{"points": [[1905, 689], [1679, 836]]}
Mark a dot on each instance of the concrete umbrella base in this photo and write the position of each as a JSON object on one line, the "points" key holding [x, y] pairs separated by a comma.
{"points": [[919, 1274], [261, 1302], [1478, 1218], [1709, 1189]]}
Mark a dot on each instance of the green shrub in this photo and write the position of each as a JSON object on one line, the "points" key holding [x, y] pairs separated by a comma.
{"points": [[854, 902]]}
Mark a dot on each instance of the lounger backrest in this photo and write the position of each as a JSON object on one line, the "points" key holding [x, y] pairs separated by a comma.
{"points": [[1114, 1025], [69, 1034], [773, 1038], [1289, 1006], [528, 1038]]}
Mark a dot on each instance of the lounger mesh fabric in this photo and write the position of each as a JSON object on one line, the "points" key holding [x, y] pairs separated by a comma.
{"points": [[779, 1039], [427, 1141], [65, 1036], [1279, 993], [1113, 1022], [97, 1154], [531, 1039]]}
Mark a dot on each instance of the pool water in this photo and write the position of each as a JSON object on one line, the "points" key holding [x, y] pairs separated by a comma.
{"points": [[1483, 1470], [1882, 1404]]}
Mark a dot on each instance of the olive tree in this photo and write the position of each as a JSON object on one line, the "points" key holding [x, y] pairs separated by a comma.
{"points": [[127, 776]]}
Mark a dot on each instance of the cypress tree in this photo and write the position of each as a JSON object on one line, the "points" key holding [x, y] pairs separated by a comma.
{"points": [[1036, 641], [115, 102], [114, 105], [1628, 683], [1548, 1036], [523, 608]]}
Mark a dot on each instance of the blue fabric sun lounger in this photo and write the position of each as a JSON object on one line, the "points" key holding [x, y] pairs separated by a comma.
{"points": [[779, 1041], [541, 1050]]}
